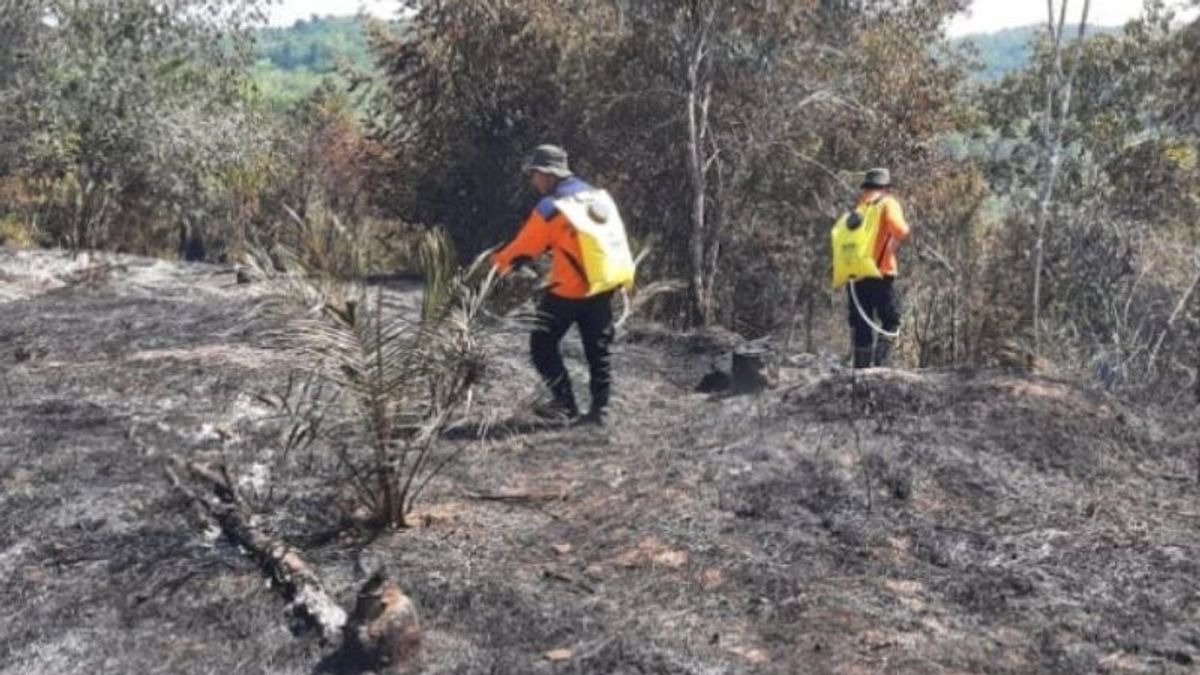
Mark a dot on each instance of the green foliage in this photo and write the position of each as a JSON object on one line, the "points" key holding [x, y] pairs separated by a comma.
{"points": [[1121, 139], [15, 233], [1122, 234], [668, 104], [730, 136], [1009, 50], [290, 63], [19, 27], [130, 109], [282, 89], [316, 172], [315, 46]]}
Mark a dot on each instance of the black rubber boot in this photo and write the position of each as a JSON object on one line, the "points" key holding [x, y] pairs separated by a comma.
{"points": [[554, 411], [596, 417], [862, 357], [563, 406], [883, 352]]}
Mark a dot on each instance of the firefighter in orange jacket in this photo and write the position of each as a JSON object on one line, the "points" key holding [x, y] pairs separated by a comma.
{"points": [[878, 296], [566, 302]]}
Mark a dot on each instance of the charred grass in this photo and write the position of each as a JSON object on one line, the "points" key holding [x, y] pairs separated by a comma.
{"points": [[935, 521]]}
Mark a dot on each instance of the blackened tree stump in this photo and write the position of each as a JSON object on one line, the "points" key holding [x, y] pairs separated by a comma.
{"points": [[755, 367]]}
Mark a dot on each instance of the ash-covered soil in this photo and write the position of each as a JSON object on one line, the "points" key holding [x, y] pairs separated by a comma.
{"points": [[889, 521]]}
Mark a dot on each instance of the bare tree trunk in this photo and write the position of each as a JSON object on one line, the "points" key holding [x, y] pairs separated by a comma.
{"points": [[1058, 89], [389, 511], [810, 307], [699, 96], [283, 563], [1179, 307], [1197, 392], [696, 174], [714, 222], [383, 632], [78, 223]]}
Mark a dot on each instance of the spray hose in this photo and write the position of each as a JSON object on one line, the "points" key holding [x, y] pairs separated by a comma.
{"points": [[863, 314], [626, 309]]}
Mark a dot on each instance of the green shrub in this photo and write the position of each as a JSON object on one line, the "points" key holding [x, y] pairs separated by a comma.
{"points": [[16, 232]]}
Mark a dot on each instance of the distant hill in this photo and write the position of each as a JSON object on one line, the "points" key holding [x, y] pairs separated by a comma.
{"points": [[1010, 49], [315, 45], [292, 61]]}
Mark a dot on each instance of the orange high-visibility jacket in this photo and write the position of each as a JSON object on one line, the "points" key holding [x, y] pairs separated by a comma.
{"points": [[547, 229], [893, 229]]}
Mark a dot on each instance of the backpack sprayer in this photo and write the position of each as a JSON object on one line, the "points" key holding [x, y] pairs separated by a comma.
{"points": [[853, 243], [607, 263]]}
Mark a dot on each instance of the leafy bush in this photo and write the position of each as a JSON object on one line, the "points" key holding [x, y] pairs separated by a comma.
{"points": [[15, 233]]}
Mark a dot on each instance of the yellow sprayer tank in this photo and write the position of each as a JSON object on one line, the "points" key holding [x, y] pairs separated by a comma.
{"points": [[853, 242], [607, 260]]}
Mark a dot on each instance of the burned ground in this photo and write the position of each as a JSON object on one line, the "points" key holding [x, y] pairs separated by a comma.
{"points": [[887, 521]]}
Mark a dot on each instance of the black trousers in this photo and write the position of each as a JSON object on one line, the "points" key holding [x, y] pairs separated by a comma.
{"points": [[880, 302], [594, 317]]}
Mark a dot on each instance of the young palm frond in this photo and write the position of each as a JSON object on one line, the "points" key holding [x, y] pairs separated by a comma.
{"points": [[407, 371], [438, 263]]}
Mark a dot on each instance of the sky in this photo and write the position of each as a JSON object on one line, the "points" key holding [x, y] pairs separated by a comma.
{"points": [[983, 16], [287, 12]]}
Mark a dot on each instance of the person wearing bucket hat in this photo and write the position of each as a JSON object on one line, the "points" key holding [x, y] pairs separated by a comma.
{"points": [[877, 298], [567, 301], [549, 160]]}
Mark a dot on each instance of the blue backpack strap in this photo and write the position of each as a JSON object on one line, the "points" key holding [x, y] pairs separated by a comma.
{"points": [[546, 208], [567, 188], [571, 186]]}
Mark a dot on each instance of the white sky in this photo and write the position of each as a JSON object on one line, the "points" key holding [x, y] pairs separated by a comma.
{"points": [[287, 12], [983, 16]]}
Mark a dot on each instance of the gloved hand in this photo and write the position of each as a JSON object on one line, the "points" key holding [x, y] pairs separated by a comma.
{"points": [[523, 267]]}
